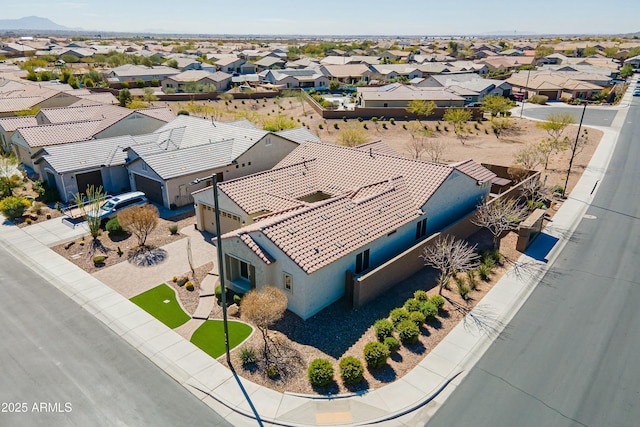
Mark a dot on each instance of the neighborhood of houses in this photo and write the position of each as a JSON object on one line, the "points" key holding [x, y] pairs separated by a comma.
{"points": [[295, 212]]}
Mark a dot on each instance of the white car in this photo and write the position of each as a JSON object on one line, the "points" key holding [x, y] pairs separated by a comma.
{"points": [[111, 207]]}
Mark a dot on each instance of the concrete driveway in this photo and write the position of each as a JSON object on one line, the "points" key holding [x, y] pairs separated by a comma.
{"points": [[130, 280]]}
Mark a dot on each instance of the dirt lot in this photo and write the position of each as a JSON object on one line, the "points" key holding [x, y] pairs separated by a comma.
{"points": [[480, 144]]}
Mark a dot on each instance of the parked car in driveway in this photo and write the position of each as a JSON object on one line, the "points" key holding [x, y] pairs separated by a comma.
{"points": [[115, 204]]}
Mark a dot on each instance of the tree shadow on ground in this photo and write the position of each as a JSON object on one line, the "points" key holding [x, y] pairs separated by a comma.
{"points": [[97, 246], [118, 237], [417, 348], [146, 256]]}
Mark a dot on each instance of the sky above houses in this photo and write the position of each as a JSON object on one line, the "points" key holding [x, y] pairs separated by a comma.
{"points": [[338, 17]]}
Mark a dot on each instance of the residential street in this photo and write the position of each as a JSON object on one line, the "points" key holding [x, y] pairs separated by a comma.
{"points": [[54, 352], [568, 356]]}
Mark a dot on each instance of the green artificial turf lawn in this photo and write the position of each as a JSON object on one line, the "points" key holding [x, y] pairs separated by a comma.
{"points": [[152, 301], [210, 336]]}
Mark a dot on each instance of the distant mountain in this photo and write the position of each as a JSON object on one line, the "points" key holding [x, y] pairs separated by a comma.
{"points": [[31, 23]]}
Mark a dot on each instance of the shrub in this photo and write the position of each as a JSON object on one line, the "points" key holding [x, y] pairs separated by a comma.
{"points": [[398, 315], [392, 121], [417, 317], [28, 221], [218, 293], [273, 371], [99, 260], [538, 99], [14, 206], [489, 262], [335, 126], [247, 356], [412, 305], [408, 332], [471, 279], [376, 355], [392, 344], [113, 226], [430, 310], [320, 126], [351, 370], [384, 329], [421, 295], [140, 83], [484, 272], [557, 190], [173, 229], [189, 286], [183, 113], [437, 300], [320, 373], [237, 299], [463, 289], [174, 279]]}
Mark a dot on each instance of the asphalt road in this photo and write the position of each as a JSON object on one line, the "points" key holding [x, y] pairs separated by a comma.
{"points": [[570, 355], [593, 116], [53, 352]]}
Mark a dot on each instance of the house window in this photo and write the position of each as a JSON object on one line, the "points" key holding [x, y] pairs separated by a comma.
{"points": [[267, 141], [421, 228], [244, 270], [362, 261], [288, 282], [144, 166]]}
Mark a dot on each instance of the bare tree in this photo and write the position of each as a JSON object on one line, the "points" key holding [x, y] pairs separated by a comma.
{"points": [[415, 147], [499, 217], [529, 157], [449, 256], [500, 125], [140, 221], [435, 148], [263, 308]]}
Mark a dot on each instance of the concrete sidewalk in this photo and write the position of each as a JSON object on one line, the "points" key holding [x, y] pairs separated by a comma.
{"points": [[408, 401]]}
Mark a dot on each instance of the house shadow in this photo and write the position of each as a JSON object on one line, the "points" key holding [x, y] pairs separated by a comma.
{"points": [[541, 246]]}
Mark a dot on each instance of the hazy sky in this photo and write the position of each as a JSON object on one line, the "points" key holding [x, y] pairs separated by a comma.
{"points": [[340, 17]]}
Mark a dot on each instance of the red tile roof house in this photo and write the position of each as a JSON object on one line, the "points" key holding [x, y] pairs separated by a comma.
{"points": [[327, 209]]}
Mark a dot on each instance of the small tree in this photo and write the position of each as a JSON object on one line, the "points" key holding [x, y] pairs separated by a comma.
{"points": [[173, 63], [555, 124], [458, 118], [421, 108], [496, 104], [499, 217], [9, 176], [89, 204], [139, 221], [449, 256], [263, 308], [529, 157], [334, 85], [149, 95], [500, 125], [124, 97]]}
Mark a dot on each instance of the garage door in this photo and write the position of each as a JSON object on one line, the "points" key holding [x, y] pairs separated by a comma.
{"points": [[87, 179], [228, 221], [150, 187], [551, 94]]}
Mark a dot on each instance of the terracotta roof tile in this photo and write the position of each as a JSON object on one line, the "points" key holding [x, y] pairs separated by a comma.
{"points": [[251, 244], [475, 170]]}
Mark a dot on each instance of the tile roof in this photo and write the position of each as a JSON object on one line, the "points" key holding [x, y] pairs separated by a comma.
{"points": [[10, 124], [251, 244], [377, 147], [130, 70], [59, 133], [353, 220], [474, 170], [400, 92]]}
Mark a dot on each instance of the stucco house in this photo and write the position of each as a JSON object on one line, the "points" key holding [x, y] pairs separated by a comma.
{"points": [[189, 147], [56, 126], [470, 82], [217, 81], [326, 210], [130, 73], [293, 78], [397, 95]]}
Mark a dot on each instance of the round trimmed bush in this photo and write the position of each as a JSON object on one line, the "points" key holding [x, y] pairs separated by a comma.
{"points": [[320, 373], [408, 332], [113, 226], [417, 317], [99, 260], [429, 309], [189, 286], [273, 371], [392, 344], [421, 295], [397, 315], [351, 370], [384, 328], [437, 300], [412, 305], [376, 355]]}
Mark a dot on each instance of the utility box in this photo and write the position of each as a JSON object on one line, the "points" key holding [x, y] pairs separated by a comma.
{"points": [[529, 229]]}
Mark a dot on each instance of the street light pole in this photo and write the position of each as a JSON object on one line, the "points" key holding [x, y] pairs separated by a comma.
{"points": [[527, 88], [575, 146], [223, 288]]}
